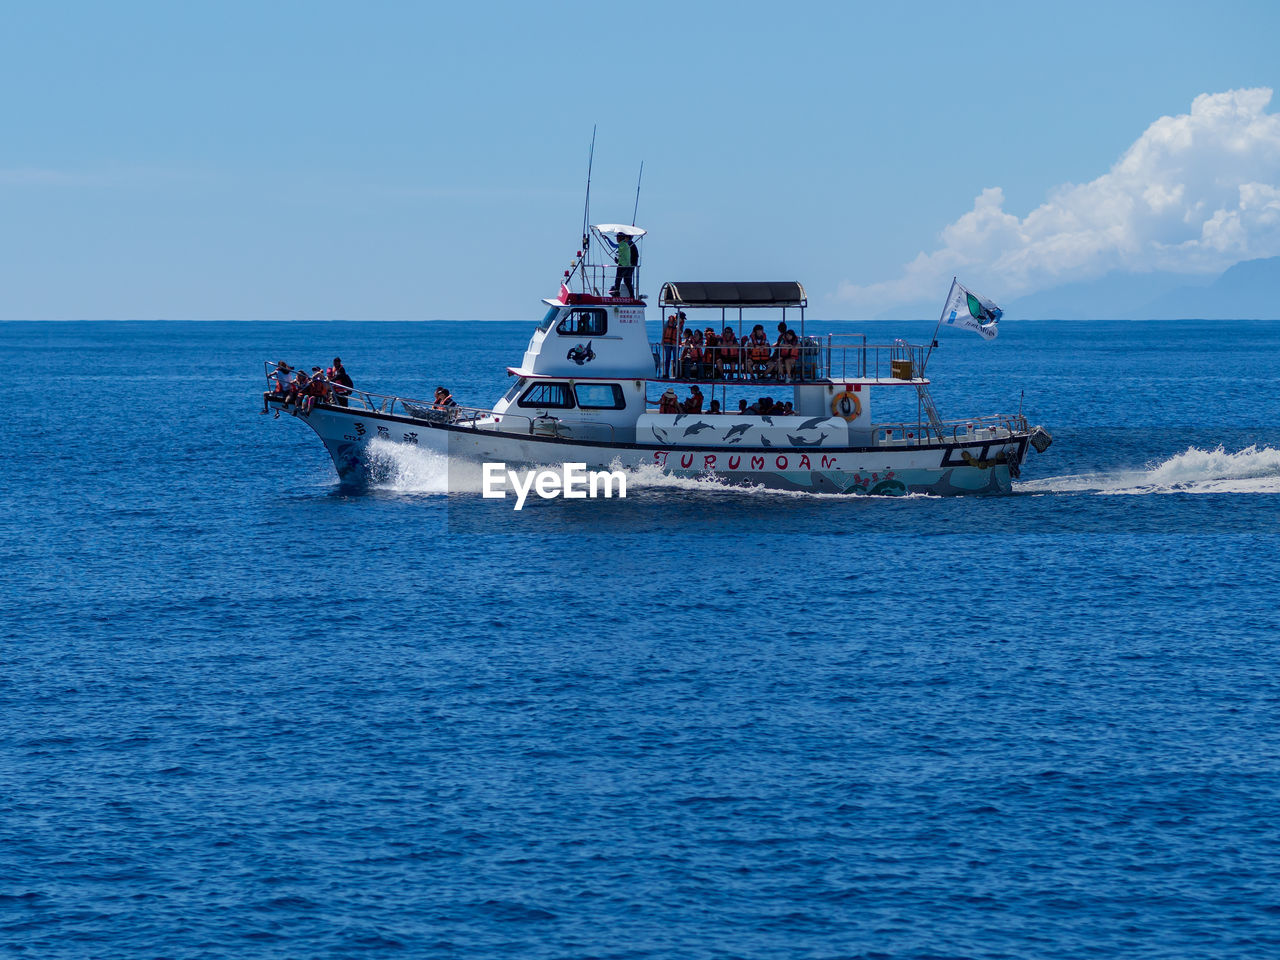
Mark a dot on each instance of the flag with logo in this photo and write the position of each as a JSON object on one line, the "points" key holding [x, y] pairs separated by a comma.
{"points": [[968, 310]]}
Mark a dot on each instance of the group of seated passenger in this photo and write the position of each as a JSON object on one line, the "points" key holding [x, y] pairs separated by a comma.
{"points": [[765, 406], [670, 403], [706, 355], [302, 390]]}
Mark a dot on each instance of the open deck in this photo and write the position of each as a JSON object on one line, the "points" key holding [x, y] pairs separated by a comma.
{"points": [[832, 358], [724, 351]]}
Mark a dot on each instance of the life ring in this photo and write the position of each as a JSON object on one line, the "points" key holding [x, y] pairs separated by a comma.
{"points": [[843, 403]]}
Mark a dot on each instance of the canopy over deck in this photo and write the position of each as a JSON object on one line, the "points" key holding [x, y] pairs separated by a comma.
{"points": [[778, 293], [613, 229]]}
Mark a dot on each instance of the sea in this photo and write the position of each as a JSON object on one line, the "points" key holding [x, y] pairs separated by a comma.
{"points": [[245, 712]]}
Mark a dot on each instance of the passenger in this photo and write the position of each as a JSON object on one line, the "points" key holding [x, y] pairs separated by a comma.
{"points": [[766, 407], [341, 382], [743, 409], [444, 399], [729, 355], [754, 409], [700, 355], [670, 344], [788, 354], [669, 403], [280, 378], [296, 390], [758, 352], [714, 410], [788, 410], [771, 368], [278, 381], [316, 389], [690, 357], [711, 354], [694, 403]]}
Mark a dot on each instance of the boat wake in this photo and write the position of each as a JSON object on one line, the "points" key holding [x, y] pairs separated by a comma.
{"points": [[1251, 470]]}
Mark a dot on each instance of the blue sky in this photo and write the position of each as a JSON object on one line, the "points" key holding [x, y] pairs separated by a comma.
{"points": [[415, 161]]}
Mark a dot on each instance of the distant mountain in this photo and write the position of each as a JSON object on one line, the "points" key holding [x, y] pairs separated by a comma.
{"points": [[922, 310], [1114, 296], [1247, 291]]}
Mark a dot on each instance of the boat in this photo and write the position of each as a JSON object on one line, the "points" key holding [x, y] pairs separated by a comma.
{"points": [[591, 386]]}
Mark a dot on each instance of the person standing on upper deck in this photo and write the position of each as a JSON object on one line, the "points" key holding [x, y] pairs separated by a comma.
{"points": [[628, 258]]}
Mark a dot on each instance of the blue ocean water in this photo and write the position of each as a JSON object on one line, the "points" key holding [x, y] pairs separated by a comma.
{"points": [[246, 713]]}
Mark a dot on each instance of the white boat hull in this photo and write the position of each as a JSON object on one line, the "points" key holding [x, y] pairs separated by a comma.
{"points": [[970, 467]]}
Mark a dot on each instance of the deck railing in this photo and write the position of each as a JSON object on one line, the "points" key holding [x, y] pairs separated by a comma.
{"points": [[817, 360], [970, 430], [457, 415], [602, 280]]}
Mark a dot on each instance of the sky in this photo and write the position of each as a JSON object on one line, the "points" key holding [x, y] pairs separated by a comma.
{"points": [[303, 161]]}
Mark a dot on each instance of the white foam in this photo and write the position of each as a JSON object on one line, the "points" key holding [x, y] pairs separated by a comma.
{"points": [[402, 468], [1251, 470]]}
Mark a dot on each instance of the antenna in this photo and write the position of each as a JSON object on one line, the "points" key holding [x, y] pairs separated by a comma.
{"points": [[636, 208], [586, 206]]}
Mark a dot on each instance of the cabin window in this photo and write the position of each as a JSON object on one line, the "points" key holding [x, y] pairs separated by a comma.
{"points": [[584, 323], [515, 389], [599, 396], [545, 325], [547, 395]]}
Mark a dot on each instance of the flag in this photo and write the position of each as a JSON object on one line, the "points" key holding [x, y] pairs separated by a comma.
{"points": [[972, 312]]}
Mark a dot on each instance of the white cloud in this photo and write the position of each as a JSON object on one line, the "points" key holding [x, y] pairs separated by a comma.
{"points": [[1195, 193]]}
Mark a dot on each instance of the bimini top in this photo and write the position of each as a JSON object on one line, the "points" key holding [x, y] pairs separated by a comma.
{"points": [[767, 293], [613, 229]]}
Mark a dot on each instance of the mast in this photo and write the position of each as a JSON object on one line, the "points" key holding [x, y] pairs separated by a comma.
{"points": [[586, 206], [636, 208], [934, 342]]}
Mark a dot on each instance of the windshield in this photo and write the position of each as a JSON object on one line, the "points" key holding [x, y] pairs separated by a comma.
{"points": [[545, 325]]}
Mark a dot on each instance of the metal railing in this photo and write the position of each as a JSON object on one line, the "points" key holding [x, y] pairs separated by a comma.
{"points": [[602, 280], [969, 430], [815, 361], [457, 415], [879, 361]]}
